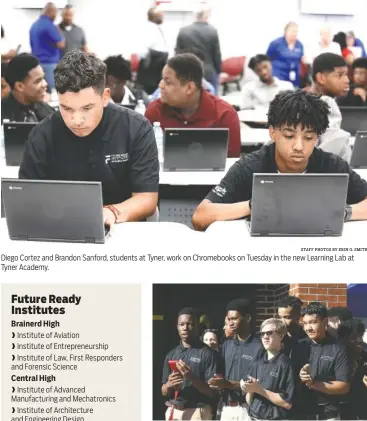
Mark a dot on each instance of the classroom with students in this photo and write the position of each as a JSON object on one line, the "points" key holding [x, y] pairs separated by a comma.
{"points": [[195, 114]]}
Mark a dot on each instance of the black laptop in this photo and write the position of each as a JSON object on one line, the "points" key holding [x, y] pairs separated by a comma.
{"points": [[359, 153], [298, 204], [67, 211], [195, 149], [354, 119], [15, 137]]}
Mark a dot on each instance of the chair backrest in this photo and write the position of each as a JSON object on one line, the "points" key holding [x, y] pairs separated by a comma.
{"points": [[134, 60], [233, 66]]}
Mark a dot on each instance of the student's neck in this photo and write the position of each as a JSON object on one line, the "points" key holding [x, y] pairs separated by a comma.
{"points": [[284, 169], [241, 336], [272, 353], [269, 82], [186, 344], [118, 99], [192, 106], [317, 341], [320, 90], [20, 98]]}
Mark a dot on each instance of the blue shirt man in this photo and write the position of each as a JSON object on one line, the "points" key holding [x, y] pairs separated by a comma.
{"points": [[286, 61], [46, 42]]}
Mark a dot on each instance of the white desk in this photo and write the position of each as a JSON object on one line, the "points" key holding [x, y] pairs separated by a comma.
{"points": [[234, 98], [251, 137], [352, 230], [126, 232], [362, 173], [202, 178], [254, 116]]}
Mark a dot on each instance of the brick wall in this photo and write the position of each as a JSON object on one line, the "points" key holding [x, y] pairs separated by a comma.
{"points": [[332, 295], [267, 296]]}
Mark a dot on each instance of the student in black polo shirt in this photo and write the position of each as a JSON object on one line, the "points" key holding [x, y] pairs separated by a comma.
{"points": [[189, 396], [325, 368], [270, 385], [27, 83], [239, 354], [296, 120], [92, 140], [289, 310]]}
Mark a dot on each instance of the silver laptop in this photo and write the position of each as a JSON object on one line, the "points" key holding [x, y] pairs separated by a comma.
{"points": [[195, 149], [298, 204], [15, 137], [354, 119], [359, 153], [67, 211]]}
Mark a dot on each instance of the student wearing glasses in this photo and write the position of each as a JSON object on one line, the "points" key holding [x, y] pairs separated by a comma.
{"points": [[270, 385]]}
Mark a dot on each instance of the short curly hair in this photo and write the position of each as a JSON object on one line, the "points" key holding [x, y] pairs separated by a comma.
{"points": [[78, 70]]}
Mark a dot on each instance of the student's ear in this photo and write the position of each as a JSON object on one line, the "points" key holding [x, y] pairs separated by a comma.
{"points": [[320, 78], [272, 133], [19, 86], [191, 87], [106, 96]]}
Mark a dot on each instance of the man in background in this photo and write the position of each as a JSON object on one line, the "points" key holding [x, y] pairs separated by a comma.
{"points": [[5, 88], [73, 34], [289, 310], [46, 42], [204, 37], [154, 53], [27, 83], [260, 93]]}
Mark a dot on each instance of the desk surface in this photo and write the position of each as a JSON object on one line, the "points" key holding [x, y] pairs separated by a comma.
{"points": [[352, 230], [255, 116]]}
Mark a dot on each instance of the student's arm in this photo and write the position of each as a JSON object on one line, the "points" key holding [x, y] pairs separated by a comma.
{"points": [[144, 176], [84, 43], [247, 99], [230, 119], [151, 113], [36, 162], [249, 398], [170, 381], [255, 387], [201, 385], [341, 385], [227, 201], [55, 35]]}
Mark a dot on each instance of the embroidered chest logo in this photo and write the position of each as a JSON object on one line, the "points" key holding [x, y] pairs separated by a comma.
{"points": [[195, 360], [326, 358], [247, 357], [220, 191], [274, 374], [116, 158]]}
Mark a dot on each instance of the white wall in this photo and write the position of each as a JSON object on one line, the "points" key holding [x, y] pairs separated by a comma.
{"points": [[245, 28]]}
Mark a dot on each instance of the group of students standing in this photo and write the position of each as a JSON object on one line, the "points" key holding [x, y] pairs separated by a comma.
{"points": [[305, 363]]}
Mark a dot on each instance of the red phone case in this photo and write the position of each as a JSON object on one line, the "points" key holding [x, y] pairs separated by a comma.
{"points": [[173, 364]]}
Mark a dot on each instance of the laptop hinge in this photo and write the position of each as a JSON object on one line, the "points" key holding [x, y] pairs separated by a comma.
{"points": [[216, 169], [264, 233], [172, 169], [90, 240], [22, 237], [328, 233]]}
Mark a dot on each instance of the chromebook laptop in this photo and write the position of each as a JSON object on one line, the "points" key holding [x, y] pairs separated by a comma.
{"points": [[15, 137], [359, 153], [67, 211], [298, 204], [354, 119], [198, 149]]}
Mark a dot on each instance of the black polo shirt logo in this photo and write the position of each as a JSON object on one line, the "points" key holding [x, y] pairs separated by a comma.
{"points": [[195, 360], [117, 158], [326, 358], [274, 374], [220, 191], [247, 357]]}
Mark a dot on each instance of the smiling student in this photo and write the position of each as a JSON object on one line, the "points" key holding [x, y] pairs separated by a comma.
{"points": [[296, 120], [90, 139]]}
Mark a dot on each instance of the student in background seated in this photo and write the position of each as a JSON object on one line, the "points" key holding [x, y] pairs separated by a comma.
{"points": [[28, 88], [118, 76], [259, 93], [341, 39], [206, 85], [353, 42], [357, 95], [184, 103], [330, 76], [5, 88], [92, 140], [295, 120]]}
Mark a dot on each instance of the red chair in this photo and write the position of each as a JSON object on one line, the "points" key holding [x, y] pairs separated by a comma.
{"points": [[232, 72]]}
